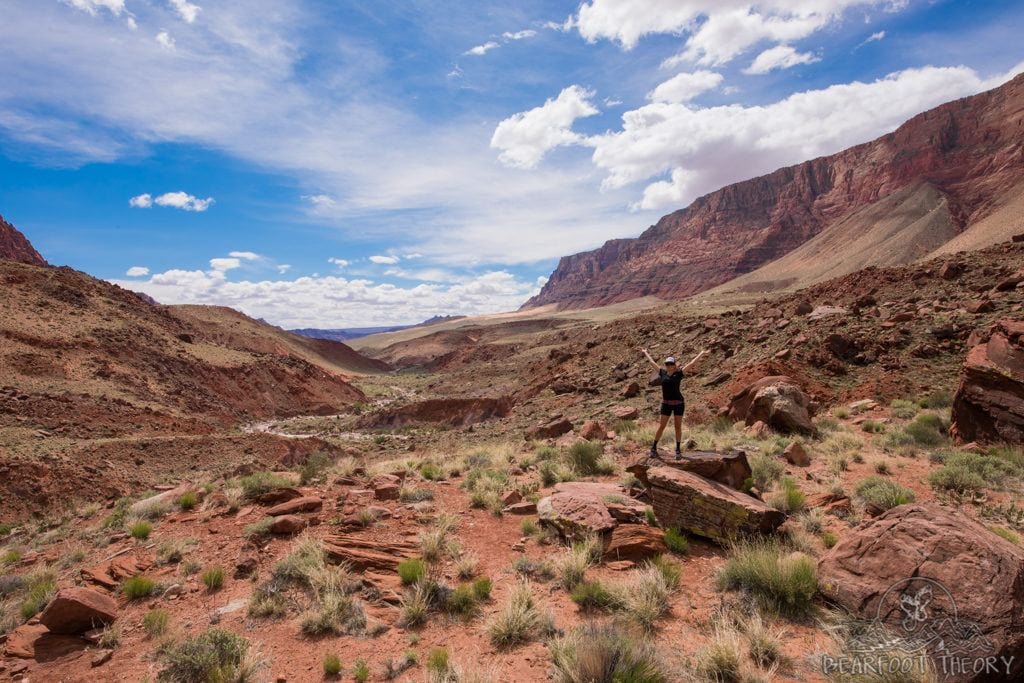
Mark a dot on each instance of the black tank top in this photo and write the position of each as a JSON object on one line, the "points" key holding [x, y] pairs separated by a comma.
{"points": [[671, 389]]}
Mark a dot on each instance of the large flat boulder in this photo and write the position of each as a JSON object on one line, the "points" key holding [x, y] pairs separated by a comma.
{"points": [[369, 554], [76, 610], [963, 585], [778, 401], [729, 467], [578, 507], [295, 506], [708, 508], [550, 430], [989, 402]]}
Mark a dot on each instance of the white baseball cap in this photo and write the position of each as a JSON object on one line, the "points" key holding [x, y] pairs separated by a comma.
{"points": [[671, 360]]}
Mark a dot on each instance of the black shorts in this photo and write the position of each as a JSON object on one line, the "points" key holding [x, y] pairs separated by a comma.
{"points": [[668, 409]]}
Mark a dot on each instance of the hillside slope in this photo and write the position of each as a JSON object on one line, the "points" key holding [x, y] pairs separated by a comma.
{"points": [[85, 358], [15, 247], [969, 151]]}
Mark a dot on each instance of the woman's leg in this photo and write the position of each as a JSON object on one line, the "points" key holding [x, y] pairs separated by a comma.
{"points": [[661, 429], [679, 427]]}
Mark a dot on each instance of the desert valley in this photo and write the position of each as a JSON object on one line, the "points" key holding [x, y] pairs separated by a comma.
{"points": [[192, 494]]}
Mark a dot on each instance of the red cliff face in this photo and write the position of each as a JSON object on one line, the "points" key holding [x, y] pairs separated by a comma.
{"points": [[971, 150], [15, 247]]}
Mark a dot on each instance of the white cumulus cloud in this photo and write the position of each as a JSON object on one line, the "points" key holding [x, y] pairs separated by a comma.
{"points": [[137, 271], [340, 262], [384, 260], [333, 301], [245, 255], [186, 10], [526, 137], [142, 201], [686, 86], [165, 40], [483, 49], [221, 265], [779, 57]]}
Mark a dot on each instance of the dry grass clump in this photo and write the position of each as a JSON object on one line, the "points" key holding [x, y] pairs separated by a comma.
{"points": [[520, 620], [780, 580], [605, 653], [571, 565], [214, 655]]}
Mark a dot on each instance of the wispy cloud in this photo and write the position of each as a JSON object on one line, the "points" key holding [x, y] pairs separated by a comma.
{"points": [[186, 10], [384, 260], [137, 271], [482, 49]]}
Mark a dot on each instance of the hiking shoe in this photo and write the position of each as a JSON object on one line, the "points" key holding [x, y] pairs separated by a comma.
{"points": [[679, 454], [654, 451]]}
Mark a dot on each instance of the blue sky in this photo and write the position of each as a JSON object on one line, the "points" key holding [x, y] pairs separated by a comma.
{"points": [[333, 164]]}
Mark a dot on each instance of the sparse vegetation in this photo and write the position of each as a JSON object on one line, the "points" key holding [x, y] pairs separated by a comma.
{"points": [[789, 498], [214, 655], [138, 587], [883, 493], [188, 500], [1007, 534], [361, 671], [213, 578], [258, 483], [520, 620], [765, 471], [780, 580], [313, 468], [39, 588], [903, 409], [676, 542], [155, 622], [592, 595], [259, 529], [140, 530], [411, 571], [332, 665], [605, 653], [586, 458]]}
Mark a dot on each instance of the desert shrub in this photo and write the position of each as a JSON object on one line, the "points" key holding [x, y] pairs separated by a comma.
{"points": [[11, 556], [305, 561], [411, 571], [188, 500], [413, 494], [213, 578], [927, 429], [520, 620], [462, 601], [541, 570], [140, 530], [670, 570], [332, 665], [482, 588], [258, 483], [763, 644], [110, 636], [903, 409], [466, 564], [550, 473], [438, 664], [829, 539], [259, 529], [650, 517], [173, 550], [586, 458], [361, 671], [789, 498], [676, 541], [545, 453], [434, 542], [266, 602], [973, 471], [605, 653], [645, 598], [957, 479], [572, 564], [872, 427], [780, 580], [315, 465], [214, 655], [765, 471], [416, 604], [721, 660], [334, 613], [883, 493], [882, 467], [39, 588], [940, 398], [431, 471], [592, 595], [155, 622], [138, 587]]}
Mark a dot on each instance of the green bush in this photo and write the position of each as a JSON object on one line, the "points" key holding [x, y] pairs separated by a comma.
{"points": [[903, 409], [780, 580], [361, 671], [605, 653], [789, 498], [431, 471], [138, 587], [482, 588], [676, 542], [437, 661], [259, 529], [927, 429], [829, 539], [592, 595], [765, 471], [214, 655], [587, 458], [462, 601], [883, 493], [940, 398], [188, 500], [155, 622], [957, 479], [140, 530], [332, 665], [872, 427], [39, 588], [670, 570], [411, 571], [258, 483], [213, 578]]}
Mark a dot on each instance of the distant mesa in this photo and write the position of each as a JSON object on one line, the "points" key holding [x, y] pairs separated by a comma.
{"points": [[348, 333], [947, 180]]}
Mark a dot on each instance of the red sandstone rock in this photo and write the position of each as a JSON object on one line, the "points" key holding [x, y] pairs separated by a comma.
{"points": [[729, 467], [551, 430], [15, 247], [634, 542], [76, 610], [287, 525], [777, 401], [296, 505], [592, 430], [989, 403]]}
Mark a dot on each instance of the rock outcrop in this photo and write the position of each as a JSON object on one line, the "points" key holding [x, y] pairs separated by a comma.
{"points": [[972, 579], [14, 246], [989, 403], [76, 610], [578, 508], [967, 150], [728, 467], [777, 401], [707, 508], [634, 542]]}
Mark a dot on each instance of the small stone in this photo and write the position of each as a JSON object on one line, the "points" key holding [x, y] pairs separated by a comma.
{"points": [[102, 657]]}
